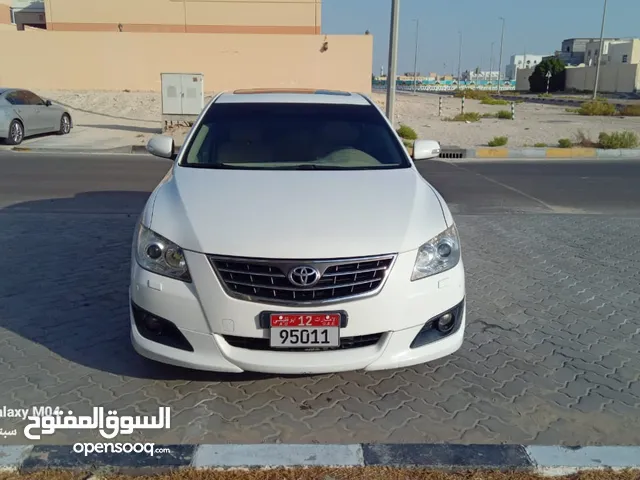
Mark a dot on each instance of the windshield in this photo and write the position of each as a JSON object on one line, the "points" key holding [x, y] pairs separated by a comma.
{"points": [[294, 136]]}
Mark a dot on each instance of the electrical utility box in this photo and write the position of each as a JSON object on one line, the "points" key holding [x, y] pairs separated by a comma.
{"points": [[182, 97]]}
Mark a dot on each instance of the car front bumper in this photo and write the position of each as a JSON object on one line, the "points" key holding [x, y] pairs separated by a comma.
{"points": [[206, 317]]}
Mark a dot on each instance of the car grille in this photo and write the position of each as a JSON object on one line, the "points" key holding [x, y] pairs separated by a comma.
{"points": [[267, 280], [346, 343]]}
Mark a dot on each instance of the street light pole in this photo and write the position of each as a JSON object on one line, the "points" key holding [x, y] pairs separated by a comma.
{"points": [[393, 60], [460, 60], [604, 17], [491, 64], [415, 60], [501, 52]]}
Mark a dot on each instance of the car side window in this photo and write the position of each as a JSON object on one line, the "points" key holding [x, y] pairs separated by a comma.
{"points": [[31, 98], [13, 98]]}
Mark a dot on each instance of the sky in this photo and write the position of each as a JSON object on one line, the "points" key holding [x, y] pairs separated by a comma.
{"points": [[532, 27]]}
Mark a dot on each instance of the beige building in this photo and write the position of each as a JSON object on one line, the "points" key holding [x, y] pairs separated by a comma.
{"points": [[613, 52], [127, 44], [168, 16]]}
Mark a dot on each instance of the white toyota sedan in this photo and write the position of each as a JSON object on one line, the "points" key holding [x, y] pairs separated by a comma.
{"points": [[294, 235]]}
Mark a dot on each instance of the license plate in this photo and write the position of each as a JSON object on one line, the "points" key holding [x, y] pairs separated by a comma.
{"points": [[305, 330]]}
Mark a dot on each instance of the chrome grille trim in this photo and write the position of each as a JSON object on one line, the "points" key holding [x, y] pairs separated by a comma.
{"points": [[265, 280]]}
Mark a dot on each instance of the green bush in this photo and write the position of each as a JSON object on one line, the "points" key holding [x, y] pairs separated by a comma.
{"points": [[565, 143], [504, 115], [489, 115], [406, 132], [631, 111], [472, 94], [466, 117], [597, 108], [540, 145], [493, 101], [498, 142], [616, 140]]}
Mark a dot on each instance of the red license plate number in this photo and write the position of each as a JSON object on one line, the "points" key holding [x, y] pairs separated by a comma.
{"points": [[287, 320]]}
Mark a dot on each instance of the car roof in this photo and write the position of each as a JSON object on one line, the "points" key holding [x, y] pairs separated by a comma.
{"points": [[274, 95]]}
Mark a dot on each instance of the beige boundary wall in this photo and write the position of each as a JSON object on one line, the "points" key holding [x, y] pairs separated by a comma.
{"points": [[119, 61], [619, 78]]}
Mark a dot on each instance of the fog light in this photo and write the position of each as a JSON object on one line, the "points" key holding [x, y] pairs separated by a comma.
{"points": [[445, 323], [153, 324]]}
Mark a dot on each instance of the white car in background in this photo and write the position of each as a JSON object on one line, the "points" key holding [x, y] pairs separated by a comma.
{"points": [[294, 235], [23, 114]]}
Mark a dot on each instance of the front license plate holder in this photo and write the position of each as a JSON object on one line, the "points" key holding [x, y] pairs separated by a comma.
{"points": [[304, 330]]}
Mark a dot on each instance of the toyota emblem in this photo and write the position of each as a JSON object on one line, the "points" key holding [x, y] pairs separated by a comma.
{"points": [[304, 276]]}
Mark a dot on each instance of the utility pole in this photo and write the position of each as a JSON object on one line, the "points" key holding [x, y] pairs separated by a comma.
{"points": [[415, 60], [460, 60], [393, 60], [604, 18], [491, 64], [501, 52]]}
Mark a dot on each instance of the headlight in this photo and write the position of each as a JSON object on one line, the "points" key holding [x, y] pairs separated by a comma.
{"points": [[159, 255], [438, 255]]}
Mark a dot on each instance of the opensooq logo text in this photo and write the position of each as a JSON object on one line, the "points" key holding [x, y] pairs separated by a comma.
{"points": [[89, 448]]}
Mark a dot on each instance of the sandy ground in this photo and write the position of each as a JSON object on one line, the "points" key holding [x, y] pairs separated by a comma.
{"points": [[365, 473], [116, 119], [534, 123]]}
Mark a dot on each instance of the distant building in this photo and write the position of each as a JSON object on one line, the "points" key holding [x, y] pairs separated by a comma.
{"points": [[522, 62], [574, 50], [613, 52]]}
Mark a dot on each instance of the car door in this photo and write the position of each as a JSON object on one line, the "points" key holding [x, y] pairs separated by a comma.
{"points": [[50, 116], [26, 112], [41, 122]]}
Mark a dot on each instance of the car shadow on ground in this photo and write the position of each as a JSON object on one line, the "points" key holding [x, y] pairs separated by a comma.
{"points": [[126, 128], [66, 288], [25, 140]]}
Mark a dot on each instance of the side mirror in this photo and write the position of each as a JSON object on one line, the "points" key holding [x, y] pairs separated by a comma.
{"points": [[162, 146], [425, 149], [48, 103]]}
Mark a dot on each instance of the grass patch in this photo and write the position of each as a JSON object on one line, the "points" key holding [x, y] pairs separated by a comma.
{"points": [[472, 94], [545, 95], [598, 108], [631, 111], [466, 117], [406, 132], [616, 140], [493, 101], [504, 115], [540, 145], [498, 142], [565, 143], [572, 110]]}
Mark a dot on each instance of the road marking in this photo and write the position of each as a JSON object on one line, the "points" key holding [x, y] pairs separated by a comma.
{"points": [[513, 189]]}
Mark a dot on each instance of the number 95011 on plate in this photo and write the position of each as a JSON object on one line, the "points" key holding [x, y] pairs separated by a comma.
{"points": [[320, 330]]}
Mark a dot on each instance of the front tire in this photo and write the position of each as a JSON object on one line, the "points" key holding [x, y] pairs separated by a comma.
{"points": [[65, 125], [16, 133]]}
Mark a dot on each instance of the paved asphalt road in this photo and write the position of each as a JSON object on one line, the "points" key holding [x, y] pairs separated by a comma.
{"points": [[551, 354]]}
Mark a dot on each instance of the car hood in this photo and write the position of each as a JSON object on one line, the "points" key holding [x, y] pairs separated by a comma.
{"points": [[296, 214]]}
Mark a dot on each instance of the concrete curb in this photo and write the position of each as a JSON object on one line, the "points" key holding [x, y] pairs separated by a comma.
{"points": [[550, 153], [547, 460]]}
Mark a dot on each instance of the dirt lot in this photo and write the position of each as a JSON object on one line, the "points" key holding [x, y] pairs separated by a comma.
{"points": [[364, 473], [136, 116]]}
